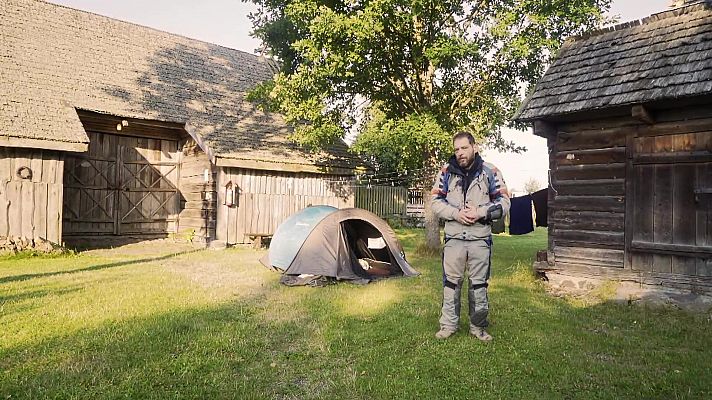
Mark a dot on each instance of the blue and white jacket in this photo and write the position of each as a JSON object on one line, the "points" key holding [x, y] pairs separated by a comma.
{"points": [[485, 188]]}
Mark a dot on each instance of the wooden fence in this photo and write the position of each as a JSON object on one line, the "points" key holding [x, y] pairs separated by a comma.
{"points": [[392, 201], [264, 199], [383, 201]]}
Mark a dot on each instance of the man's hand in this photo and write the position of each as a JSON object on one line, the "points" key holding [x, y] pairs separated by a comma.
{"points": [[465, 216], [475, 214]]}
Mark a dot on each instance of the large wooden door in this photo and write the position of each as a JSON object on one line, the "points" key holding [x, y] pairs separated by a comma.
{"points": [[672, 218], [122, 185]]}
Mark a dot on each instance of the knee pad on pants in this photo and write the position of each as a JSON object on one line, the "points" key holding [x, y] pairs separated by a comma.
{"points": [[476, 286], [449, 284]]}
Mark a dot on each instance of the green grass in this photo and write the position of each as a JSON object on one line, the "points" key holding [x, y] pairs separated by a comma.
{"points": [[215, 324]]}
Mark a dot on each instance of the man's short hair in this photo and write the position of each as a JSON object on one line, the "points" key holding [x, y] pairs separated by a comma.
{"points": [[464, 134]]}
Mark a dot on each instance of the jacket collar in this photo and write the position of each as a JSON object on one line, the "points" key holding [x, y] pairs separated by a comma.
{"points": [[455, 168]]}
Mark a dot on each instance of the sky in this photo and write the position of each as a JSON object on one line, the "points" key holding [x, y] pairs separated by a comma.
{"points": [[226, 22]]}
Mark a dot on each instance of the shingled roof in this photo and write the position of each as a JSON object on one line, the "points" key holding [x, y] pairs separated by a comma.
{"points": [[665, 56], [56, 60]]}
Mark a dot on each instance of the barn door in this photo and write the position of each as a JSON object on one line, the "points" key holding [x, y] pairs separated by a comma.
{"points": [[90, 188], [122, 185], [148, 196], [672, 219]]}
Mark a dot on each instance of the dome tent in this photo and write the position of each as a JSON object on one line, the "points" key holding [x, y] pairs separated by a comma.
{"points": [[349, 244]]}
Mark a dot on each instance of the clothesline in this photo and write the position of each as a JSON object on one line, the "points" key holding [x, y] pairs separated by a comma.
{"points": [[521, 220]]}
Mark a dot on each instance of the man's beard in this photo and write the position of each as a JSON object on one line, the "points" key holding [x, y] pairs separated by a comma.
{"points": [[465, 162]]}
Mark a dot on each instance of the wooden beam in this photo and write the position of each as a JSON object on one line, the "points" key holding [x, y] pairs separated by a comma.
{"points": [[9, 141], [670, 248], [641, 113], [602, 237], [583, 243], [284, 167], [673, 157], [544, 129], [94, 117]]}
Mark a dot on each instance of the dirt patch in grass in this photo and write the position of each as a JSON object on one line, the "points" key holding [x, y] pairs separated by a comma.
{"points": [[227, 272], [153, 248]]}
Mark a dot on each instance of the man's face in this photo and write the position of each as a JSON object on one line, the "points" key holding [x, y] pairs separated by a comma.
{"points": [[464, 152]]}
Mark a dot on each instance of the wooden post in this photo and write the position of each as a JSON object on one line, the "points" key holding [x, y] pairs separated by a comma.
{"points": [[545, 129], [642, 114], [629, 200]]}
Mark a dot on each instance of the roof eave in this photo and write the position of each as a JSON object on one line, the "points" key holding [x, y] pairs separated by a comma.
{"points": [[44, 144], [285, 167]]}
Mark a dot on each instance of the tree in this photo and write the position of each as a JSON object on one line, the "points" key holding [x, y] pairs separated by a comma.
{"points": [[421, 69], [531, 185]]}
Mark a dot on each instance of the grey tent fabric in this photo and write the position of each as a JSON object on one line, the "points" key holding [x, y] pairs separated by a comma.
{"points": [[293, 231], [335, 244]]}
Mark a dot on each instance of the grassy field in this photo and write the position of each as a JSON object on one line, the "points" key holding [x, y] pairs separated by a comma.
{"points": [[163, 321]]}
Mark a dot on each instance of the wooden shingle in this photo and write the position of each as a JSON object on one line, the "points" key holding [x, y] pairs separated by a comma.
{"points": [[55, 60], [665, 56]]}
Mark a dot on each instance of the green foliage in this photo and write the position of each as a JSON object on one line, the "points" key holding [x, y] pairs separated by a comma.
{"points": [[59, 252], [190, 235], [457, 64], [401, 144], [260, 95], [395, 222]]}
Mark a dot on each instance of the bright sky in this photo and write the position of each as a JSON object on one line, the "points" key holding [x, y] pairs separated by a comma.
{"points": [[225, 22]]}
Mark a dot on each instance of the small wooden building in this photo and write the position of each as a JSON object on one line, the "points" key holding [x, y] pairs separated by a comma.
{"points": [[108, 128], [627, 113]]}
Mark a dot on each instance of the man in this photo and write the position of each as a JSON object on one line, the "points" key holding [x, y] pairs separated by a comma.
{"points": [[468, 194]]}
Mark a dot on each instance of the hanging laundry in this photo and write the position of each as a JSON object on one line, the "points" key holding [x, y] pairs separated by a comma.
{"points": [[520, 216], [541, 208], [498, 226]]}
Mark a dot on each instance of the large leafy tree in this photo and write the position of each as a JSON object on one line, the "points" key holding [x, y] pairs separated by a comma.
{"points": [[407, 74]]}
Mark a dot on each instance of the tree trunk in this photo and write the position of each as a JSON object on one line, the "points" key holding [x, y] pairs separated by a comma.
{"points": [[432, 225]]}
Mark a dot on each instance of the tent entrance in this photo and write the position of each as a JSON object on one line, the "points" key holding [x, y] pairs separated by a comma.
{"points": [[369, 253]]}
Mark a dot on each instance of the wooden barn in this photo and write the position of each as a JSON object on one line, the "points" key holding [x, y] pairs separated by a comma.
{"points": [[112, 129], [627, 113]]}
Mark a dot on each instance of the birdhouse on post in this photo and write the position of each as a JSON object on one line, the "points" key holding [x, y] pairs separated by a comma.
{"points": [[229, 199]]}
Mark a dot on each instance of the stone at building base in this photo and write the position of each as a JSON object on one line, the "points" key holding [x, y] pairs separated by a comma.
{"points": [[14, 244], [627, 292]]}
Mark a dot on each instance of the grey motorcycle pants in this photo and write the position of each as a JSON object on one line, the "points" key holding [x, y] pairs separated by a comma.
{"points": [[462, 258]]}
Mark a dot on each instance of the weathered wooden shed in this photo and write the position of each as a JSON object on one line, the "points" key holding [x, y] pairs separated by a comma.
{"points": [[628, 118], [108, 128]]}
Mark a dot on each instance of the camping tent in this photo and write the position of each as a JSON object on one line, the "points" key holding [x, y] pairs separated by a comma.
{"points": [[348, 244]]}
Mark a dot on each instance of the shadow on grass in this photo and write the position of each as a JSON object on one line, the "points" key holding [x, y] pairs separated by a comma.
{"points": [[226, 351], [238, 351], [34, 294], [319, 343], [24, 277]]}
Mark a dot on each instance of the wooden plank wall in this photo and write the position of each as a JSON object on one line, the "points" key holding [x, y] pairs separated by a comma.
{"points": [[196, 220], [383, 201], [31, 208], [587, 200], [661, 232], [266, 198], [672, 160]]}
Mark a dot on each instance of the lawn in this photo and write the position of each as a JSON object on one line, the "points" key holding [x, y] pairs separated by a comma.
{"points": [[167, 321]]}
